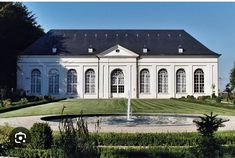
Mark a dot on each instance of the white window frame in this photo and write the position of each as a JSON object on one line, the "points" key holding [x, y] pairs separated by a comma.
{"points": [[199, 79], [117, 81], [36, 82], [144, 81], [72, 81], [162, 81], [181, 81], [53, 82], [90, 81]]}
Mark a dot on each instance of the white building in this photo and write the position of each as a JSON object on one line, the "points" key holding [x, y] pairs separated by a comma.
{"points": [[111, 63]]}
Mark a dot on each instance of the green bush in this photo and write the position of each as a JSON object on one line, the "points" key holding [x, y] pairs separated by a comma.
{"points": [[49, 98], [41, 136], [157, 139], [20, 106], [139, 152], [146, 139], [191, 98], [218, 99], [209, 146], [4, 139], [75, 140], [35, 153], [203, 98], [7, 103], [213, 96], [23, 100]]}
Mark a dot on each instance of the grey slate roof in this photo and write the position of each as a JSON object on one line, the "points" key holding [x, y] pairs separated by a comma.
{"points": [[77, 42]]}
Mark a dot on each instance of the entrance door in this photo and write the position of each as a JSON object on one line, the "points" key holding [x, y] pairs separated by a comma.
{"points": [[117, 83]]}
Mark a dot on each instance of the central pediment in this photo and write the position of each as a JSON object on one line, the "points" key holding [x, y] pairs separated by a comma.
{"points": [[118, 51]]}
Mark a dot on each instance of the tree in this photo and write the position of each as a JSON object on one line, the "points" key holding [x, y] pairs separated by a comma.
{"points": [[228, 89], [18, 29], [232, 77], [208, 145]]}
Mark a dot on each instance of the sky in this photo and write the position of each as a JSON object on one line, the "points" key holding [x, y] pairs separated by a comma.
{"points": [[212, 23]]}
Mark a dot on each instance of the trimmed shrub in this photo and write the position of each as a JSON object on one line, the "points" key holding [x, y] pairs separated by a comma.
{"points": [[139, 152], [7, 102], [23, 100], [41, 136], [191, 98], [4, 139], [213, 96], [35, 153], [49, 98], [218, 100], [203, 98], [20, 106]]}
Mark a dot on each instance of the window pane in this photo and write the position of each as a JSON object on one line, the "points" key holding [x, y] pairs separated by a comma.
{"points": [[53, 81], [35, 81], [180, 81], [198, 81], [72, 81], [144, 81], [162, 81], [117, 84], [90, 81]]}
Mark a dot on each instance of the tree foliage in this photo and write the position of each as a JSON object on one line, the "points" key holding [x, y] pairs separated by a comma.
{"points": [[42, 137], [208, 145], [18, 29], [209, 124], [232, 77]]}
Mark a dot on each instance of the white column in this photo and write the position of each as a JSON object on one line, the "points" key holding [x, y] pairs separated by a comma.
{"points": [[189, 80]]}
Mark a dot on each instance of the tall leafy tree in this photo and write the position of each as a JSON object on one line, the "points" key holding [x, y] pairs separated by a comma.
{"points": [[232, 77], [18, 29]]}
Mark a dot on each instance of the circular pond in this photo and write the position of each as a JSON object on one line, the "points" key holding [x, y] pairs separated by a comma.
{"points": [[136, 120]]}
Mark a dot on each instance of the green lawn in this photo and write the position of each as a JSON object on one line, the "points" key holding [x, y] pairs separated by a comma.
{"points": [[119, 106]]}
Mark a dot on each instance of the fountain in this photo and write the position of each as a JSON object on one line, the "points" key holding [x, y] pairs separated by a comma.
{"points": [[128, 120], [129, 107]]}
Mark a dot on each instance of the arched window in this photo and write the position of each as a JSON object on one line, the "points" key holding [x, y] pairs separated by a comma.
{"points": [[198, 81], [53, 81], [117, 81], [35, 81], [162, 81], [72, 81], [90, 81], [144, 81], [180, 81]]}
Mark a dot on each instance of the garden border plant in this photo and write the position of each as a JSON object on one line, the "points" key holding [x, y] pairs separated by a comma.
{"points": [[29, 104]]}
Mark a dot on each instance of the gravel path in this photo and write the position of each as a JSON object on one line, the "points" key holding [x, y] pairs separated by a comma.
{"points": [[29, 120]]}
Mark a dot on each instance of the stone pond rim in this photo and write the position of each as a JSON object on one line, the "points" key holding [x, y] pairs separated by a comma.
{"points": [[53, 117]]}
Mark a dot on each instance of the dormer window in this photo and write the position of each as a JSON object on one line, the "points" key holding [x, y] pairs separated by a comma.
{"points": [[145, 50], [180, 49], [90, 50], [54, 50]]}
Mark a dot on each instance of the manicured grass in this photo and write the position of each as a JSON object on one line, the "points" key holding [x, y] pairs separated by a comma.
{"points": [[106, 106]]}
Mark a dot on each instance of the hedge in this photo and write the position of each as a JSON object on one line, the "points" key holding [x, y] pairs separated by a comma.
{"points": [[156, 139], [20, 106], [35, 153], [151, 152], [205, 102], [119, 152]]}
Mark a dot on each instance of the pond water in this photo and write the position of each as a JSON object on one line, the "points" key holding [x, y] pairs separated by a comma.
{"points": [[137, 120]]}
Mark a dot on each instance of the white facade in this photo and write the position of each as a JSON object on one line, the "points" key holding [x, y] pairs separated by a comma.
{"points": [[98, 83]]}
